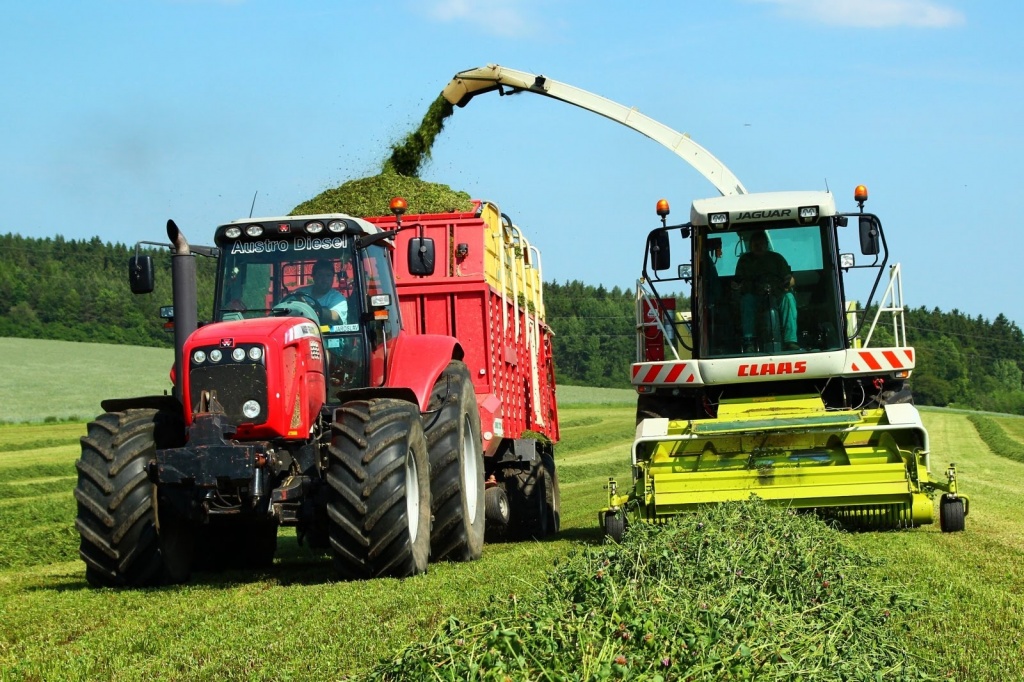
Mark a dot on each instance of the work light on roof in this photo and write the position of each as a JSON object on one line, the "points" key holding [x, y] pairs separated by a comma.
{"points": [[254, 230], [233, 232], [315, 227], [718, 219], [809, 212], [336, 226]]}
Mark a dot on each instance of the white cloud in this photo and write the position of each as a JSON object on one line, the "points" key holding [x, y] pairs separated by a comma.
{"points": [[506, 18], [871, 13]]}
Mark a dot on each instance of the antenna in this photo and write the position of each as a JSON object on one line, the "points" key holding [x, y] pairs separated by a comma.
{"points": [[253, 202]]}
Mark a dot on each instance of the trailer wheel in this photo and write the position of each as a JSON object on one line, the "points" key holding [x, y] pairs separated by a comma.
{"points": [[456, 467], [552, 494], [378, 494], [116, 520], [528, 502], [496, 511], [951, 514], [615, 525]]}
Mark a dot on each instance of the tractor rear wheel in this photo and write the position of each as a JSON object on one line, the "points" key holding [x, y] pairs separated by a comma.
{"points": [[951, 514], [378, 501], [117, 516], [456, 467]]}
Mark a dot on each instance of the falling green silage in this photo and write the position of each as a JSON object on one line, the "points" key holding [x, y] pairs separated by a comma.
{"points": [[399, 176]]}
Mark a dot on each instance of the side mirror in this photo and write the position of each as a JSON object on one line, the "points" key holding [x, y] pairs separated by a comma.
{"points": [[140, 274], [421, 256], [661, 257], [869, 231]]}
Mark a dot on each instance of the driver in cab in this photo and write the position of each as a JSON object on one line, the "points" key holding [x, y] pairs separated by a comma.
{"points": [[333, 305]]}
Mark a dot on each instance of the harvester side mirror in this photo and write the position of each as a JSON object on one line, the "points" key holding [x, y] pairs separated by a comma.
{"points": [[661, 257], [140, 274], [421, 256], [869, 231]]}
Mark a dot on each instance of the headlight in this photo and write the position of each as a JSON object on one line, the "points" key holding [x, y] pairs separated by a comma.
{"points": [[254, 230], [255, 353], [251, 409], [336, 226], [238, 354], [314, 227], [199, 357], [215, 355], [233, 232]]}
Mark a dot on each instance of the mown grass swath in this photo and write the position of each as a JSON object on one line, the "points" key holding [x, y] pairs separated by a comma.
{"points": [[738, 591], [996, 438]]}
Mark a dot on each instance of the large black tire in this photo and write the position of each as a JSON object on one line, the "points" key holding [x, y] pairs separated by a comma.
{"points": [[117, 520], [456, 467], [552, 494], [378, 501], [528, 496]]}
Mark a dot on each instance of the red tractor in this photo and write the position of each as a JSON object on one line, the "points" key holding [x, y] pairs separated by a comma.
{"points": [[384, 412]]}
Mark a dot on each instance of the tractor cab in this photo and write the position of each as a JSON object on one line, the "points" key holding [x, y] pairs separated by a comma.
{"points": [[319, 268]]}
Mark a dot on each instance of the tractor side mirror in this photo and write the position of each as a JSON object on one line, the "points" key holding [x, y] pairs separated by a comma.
{"points": [[869, 231], [421, 256], [661, 257], [140, 274]]}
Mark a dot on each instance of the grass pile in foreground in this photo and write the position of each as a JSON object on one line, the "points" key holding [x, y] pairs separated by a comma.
{"points": [[733, 592]]}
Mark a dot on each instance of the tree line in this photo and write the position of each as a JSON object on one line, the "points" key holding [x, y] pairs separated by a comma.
{"points": [[77, 290]]}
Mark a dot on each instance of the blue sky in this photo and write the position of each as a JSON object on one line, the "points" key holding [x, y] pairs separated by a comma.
{"points": [[119, 114]]}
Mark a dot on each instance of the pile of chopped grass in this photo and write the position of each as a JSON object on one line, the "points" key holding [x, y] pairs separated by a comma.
{"points": [[372, 197], [733, 592]]}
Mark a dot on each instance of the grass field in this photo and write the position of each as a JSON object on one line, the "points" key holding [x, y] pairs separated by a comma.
{"points": [[295, 622]]}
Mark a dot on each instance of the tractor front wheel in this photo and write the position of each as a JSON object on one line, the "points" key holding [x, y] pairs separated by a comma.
{"points": [[117, 517], [378, 502]]}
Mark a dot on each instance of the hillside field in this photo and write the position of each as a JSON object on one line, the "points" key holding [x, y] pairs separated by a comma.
{"points": [[295, 622]]}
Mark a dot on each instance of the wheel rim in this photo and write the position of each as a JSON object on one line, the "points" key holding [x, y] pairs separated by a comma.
{"points": [[470, 473], [412, 495]]}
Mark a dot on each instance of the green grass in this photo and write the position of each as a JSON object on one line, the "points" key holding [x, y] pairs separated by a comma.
{"points": [[295, 622], [60, 380]]}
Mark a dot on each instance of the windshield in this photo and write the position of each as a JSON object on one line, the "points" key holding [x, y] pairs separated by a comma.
{"points": [[285, 280], [763, 291]]}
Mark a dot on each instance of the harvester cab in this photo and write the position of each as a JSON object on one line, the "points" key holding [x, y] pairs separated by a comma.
{"points": [[773, 385]]}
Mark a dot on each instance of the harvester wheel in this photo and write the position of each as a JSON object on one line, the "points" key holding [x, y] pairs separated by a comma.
{"points": [[116, 517], [615, 525], [951, 514], [378, 495], [456, 467]]}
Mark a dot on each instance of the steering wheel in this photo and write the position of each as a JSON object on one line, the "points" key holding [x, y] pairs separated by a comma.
{"points": [[304, 297]]}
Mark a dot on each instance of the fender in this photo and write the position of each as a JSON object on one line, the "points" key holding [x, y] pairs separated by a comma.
{"points": [[417, 360], [164, 403]]}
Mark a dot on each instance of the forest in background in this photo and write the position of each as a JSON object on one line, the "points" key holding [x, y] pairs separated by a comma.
{"points": [[74, 290]]}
